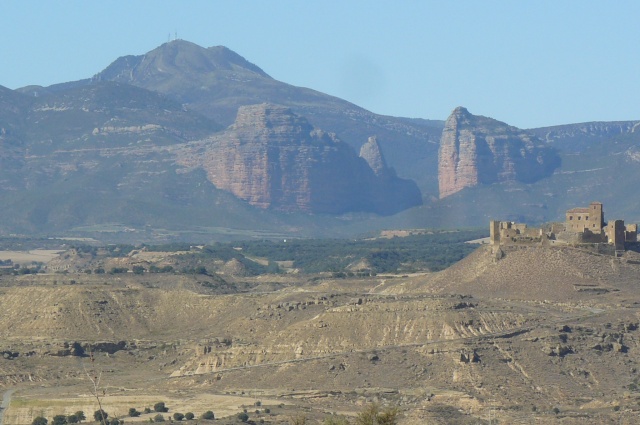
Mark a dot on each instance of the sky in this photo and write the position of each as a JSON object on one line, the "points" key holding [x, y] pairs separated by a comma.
{"points": [[527, 63]]}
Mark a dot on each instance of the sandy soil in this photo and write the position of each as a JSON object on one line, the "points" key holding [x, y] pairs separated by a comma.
{"points": [[39, 255]]}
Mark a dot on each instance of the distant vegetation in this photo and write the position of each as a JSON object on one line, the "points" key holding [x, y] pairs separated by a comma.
{"points": [[425, 250], [433, 251]]}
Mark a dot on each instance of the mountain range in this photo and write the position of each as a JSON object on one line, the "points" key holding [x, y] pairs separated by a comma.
{"points": [[188, 140]]}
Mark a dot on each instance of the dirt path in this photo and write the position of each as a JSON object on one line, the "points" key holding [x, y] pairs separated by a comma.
{"points": [[6, 400]]}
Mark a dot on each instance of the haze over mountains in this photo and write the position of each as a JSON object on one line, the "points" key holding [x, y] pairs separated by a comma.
{"points": [[157, 143]]}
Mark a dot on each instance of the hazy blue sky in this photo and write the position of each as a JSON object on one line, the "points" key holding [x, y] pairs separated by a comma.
{"points": [[528, 63]]}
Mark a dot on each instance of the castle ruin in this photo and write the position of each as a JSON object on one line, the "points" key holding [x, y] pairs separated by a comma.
{"points": [[582, 226]]}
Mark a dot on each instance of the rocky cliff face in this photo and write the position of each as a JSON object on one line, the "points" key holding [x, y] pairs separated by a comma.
{"points": [[371, 153], [578, 138], [273, 158], [586, 130], [478, 150]]}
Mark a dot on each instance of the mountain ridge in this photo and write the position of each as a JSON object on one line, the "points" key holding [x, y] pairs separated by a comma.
{"points": [[112, 137]]}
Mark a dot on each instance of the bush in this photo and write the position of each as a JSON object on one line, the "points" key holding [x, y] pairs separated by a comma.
{"points": [[298, 420], [115, 421], [158, 418], [80, 415], [100, 415], [39, 421], [267, 410], [59, 420], [335, 420], [147, 410], [133, 412], [243, 417], [188, 416], [116, 270], [371, 415], [208, 415], [160, 407], [72, 419], [178, 416]]}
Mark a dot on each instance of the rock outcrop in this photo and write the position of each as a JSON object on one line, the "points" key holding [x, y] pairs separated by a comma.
{"points": [[478, 150], [371, 153], [273, 158]]}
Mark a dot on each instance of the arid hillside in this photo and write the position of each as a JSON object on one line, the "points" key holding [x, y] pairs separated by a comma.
{"points": [[540, 335]]}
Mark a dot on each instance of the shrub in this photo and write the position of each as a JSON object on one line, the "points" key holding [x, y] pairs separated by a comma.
{"points": [[133, 412], [158, 418], [178, 416], [72, 419], [298, 420], [267, 410], [335, 420], [80, 415], [100, 415], [59, 420], [371, 415], [115, 421], [39, 421], [208, 415], [116, 270], [188, 416], [147, 410], [160, 407], [243, 417]]}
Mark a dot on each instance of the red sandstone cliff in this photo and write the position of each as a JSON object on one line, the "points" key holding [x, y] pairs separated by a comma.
{"points": [[273, 158], [479, 150]]}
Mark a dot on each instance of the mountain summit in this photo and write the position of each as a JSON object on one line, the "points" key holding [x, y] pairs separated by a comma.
{"points": [[175, 61], [216, 82]]}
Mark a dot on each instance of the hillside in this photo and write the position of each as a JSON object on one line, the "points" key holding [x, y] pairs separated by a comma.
{"points": [[485, 335], [216, 81]]}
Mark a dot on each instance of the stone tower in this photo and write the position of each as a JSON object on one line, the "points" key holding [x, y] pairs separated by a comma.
{"points": [[596, 217], [590, 218]]}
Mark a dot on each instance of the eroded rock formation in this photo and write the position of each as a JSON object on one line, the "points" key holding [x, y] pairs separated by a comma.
{"points": [[273, 158], [371, 153], [478, 150]]}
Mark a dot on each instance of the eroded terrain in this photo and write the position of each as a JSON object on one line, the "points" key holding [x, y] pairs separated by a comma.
{"points": [[541, 335]]}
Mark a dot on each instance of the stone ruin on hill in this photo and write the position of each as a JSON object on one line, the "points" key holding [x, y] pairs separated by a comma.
{"points": [[582, 226]]}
